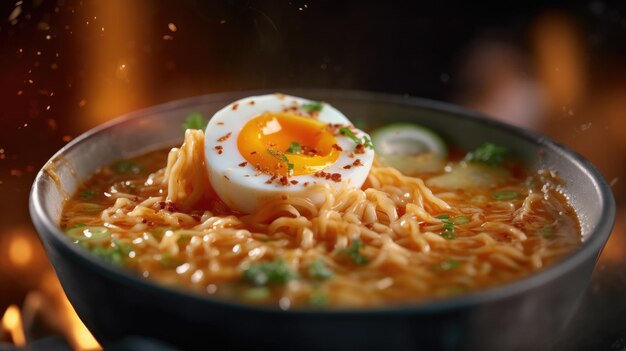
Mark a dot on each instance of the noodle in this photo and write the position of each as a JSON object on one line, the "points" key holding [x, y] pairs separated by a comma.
{"points": [[182, 234]]}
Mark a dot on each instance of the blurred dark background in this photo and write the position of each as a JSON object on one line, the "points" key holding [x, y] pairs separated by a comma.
{"points": [[558, 67]]}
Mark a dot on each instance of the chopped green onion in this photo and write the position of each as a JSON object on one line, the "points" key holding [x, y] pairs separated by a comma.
{"points": [[319, 270], [310, 107], [115, 254], [280, 157], [263, 273], [479, 199], [294, 148], [505, 195], [448, 226], [88, 194], [85, 233], [461, 220], [448, 235], [347, 132], [366, 142], [257, 293], [354, 254], [449, 265], [126, 166], [290, 166], [195, 121], [319, 299], [547, 233], [488, 154]]}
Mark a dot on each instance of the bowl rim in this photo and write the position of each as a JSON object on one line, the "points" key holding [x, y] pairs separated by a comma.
{"points": [[599, 234]]}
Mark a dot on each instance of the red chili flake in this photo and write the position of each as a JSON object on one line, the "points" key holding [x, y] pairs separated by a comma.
{"points": [[225, 176], [347, 166], [336, 177], [251, 102], [359, 149], [337, 147], [171, 207], [219, 149], [220, 123], [235, 106], [252, 153], [357, 162], [306, 184], [161, 204], [284, 180], [246, 175], [225, 137], [294, 182], [243, 164]]}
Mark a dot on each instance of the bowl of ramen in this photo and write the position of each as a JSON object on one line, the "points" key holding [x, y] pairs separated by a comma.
{"points": [[321, 219]]}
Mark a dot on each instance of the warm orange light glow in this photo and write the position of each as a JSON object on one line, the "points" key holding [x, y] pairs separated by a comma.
{"points": [[116, 83], [560, 60], [77, 333], [20, 250], [12, 322]]}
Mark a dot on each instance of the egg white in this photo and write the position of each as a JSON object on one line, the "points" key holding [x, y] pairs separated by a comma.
{"points": [[244, 188]]}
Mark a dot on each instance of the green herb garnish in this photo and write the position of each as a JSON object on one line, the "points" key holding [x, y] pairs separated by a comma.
{"points": [[448, 226], [195, 121], [126, 166], [505, 195], [294, 148], [282, 158], [319, 299], [319, 270], [257, 293], [278, 156], [488, 154], [84, 233], [449, 265], [115, 254], [310, 107], [366, 142], [88, 194], [264, 273], [547, 233], [461, 220], [354, 252]]}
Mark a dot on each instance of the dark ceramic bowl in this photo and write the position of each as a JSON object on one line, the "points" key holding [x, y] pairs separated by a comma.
{"points": [[528, 314]]}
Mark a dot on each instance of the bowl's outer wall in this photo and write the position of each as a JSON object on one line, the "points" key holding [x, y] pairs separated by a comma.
{"points": [[114, 304]]}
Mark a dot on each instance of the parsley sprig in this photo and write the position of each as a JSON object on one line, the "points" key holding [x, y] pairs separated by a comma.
{"points": [[294, 148], [195, 121], [365, 141], [488, 153], [281, 157], [448, 226], [310, 107], [353, 252], [276, 272]]}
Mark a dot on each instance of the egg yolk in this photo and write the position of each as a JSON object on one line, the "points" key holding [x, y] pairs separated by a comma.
{"points": [[286, 144]]}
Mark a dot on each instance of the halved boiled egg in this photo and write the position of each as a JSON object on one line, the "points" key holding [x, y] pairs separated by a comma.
{"points": [[263, 146]]}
